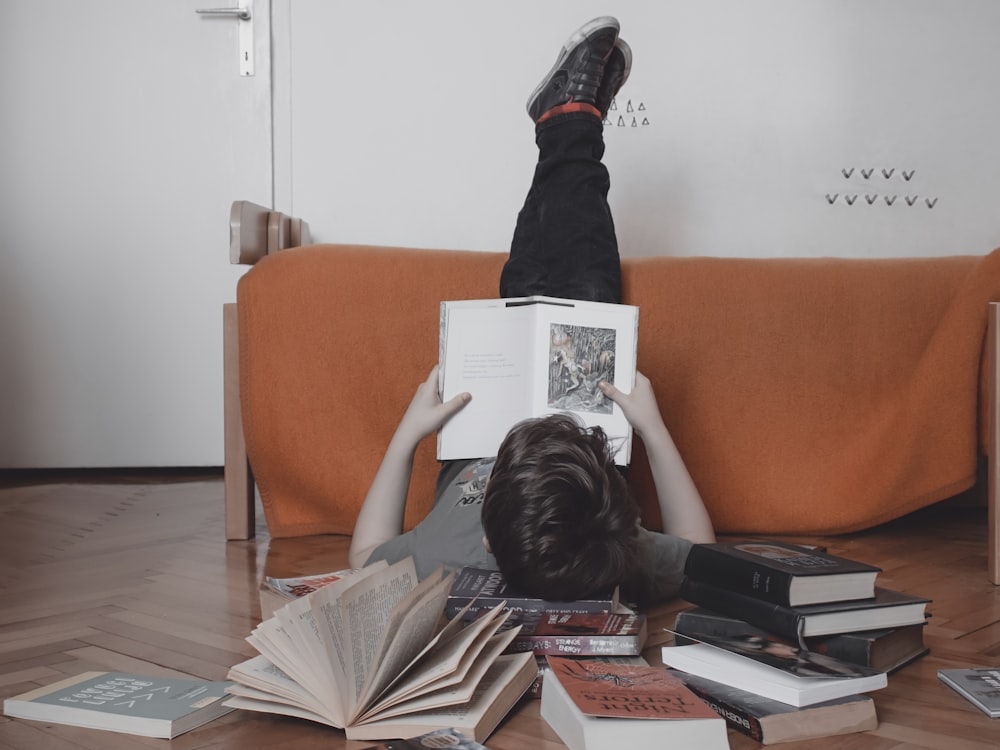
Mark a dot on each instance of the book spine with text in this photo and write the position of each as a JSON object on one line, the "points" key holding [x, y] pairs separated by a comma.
{"points": [[485, 589], [524, 605], [736, 716], [578, 645], [704, 563]]}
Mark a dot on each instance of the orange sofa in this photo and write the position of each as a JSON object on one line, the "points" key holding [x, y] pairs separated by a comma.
{"points": [[806, 395]]}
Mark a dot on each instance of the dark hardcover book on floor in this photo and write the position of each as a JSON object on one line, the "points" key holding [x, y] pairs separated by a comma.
{"points": [[887, 609], [980, 686], [769, 721], [885, 650], [577, 634], [485, 589], [781, 573]]}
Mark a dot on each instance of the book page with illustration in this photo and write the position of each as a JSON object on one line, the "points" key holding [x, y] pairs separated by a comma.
{"points": [[529, 357]]}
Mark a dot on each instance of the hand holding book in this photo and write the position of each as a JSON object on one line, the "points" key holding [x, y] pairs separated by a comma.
{"points": [[427, 413], [639, 406]]}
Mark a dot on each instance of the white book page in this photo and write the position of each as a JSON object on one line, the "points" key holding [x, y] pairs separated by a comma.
{"points": [[411, 627], [273, 642], [300, 624], [351, 622], [260, 679], [488, 354], [258, 674]]}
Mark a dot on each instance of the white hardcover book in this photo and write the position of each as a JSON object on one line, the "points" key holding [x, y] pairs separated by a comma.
{"points": [[713, 663]]}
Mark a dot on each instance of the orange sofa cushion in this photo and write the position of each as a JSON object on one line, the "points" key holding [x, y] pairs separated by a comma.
{"points": [[805, 395]]}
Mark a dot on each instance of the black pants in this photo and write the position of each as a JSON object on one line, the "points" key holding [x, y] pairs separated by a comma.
{"points": [[564, 242]]}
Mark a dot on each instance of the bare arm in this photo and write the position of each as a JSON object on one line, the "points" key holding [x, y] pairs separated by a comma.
{"points": [[381, 515], [681, 506]]}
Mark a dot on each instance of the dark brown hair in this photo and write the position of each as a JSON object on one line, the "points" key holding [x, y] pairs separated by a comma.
{"points": [[557, 512]]}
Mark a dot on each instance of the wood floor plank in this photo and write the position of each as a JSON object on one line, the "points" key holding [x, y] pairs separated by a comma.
{"points": [[193, 634]]}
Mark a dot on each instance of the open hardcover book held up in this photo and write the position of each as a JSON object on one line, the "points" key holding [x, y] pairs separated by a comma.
{"points": [[372, 654], [531, 356]]}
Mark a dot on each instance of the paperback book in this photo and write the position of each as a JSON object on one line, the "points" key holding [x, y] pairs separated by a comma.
{"points": [[774, 670], [769, 721], [781, 573], [476, 589], [980, 686], [161, 707], [543, 668], [887, 609], [593, 705], [277, 592], [561, 634], [371, 654], [884, 650], [532, 356]]}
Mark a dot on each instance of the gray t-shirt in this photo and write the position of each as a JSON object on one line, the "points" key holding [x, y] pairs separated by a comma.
{"points": [[452, 536]]}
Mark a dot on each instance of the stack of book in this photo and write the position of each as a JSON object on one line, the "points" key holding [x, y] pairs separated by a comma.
{"points": [[477, 589], [600, 627], [785, 623]]}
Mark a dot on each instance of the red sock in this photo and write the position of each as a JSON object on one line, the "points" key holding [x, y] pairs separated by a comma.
{"points": [[565, 109]]}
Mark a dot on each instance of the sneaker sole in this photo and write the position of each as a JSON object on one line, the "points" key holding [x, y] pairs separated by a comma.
{"points": [[627, 54], [575, 38]]}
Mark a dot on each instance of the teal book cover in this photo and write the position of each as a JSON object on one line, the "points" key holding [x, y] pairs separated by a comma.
{"points": [[135, 704]]}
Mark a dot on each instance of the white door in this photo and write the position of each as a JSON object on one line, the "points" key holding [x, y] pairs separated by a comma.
{"points": [[126, 131]]}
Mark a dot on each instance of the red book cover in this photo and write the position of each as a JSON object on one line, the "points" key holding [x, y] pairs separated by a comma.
{"points": [[627, 692]]}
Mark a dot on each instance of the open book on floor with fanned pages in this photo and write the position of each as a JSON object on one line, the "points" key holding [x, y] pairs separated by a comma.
{"points": [[373, 654]]}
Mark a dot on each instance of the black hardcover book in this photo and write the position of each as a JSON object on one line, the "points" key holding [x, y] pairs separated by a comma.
{"points": [[484, 589], [887, 609], [781, 573], [885, 649]]}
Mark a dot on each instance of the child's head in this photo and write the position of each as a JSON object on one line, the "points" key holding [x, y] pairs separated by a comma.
{"points": [[557, 513]]}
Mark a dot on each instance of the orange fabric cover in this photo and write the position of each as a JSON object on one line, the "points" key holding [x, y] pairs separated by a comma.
{"points": [[806, 395]]}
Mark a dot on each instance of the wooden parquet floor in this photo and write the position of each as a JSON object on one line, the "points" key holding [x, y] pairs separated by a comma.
{"points": [[131, 572]]}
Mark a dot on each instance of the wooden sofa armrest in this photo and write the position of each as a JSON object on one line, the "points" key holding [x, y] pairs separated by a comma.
{"points": [[254, 231], [993, 480]]}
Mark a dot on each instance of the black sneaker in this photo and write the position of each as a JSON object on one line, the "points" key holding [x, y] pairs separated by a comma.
{"points": [[579, 68], [616, 71]]}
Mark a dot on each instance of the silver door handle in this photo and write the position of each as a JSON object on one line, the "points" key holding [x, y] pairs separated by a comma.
{"points": [[242, 14]]}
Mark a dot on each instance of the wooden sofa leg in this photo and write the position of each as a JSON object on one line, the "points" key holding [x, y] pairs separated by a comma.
{"points": [[239, 485], [993, 476]]}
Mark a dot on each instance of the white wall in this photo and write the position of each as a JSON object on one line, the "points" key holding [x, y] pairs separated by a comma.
{"points": [[403, 123]]}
